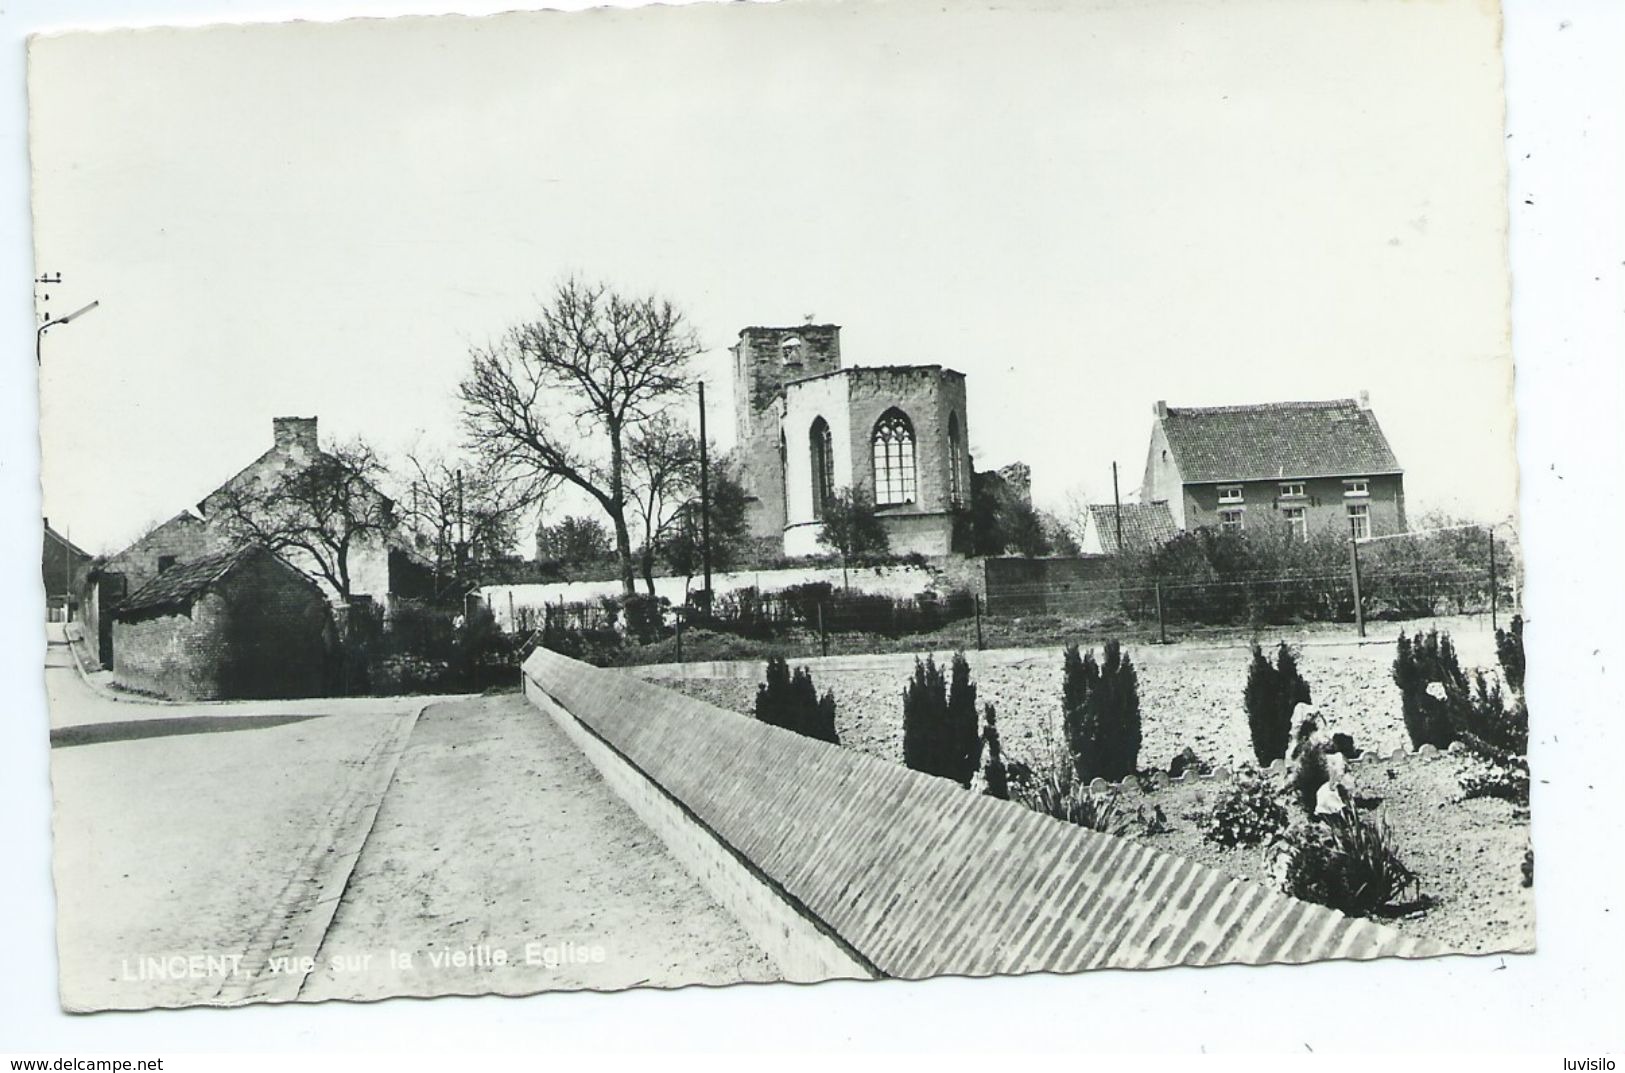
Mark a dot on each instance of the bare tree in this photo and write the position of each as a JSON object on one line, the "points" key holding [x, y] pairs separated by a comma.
{"points": [[560, 395], [663, 462], [324, 509], [461, 514], [852, 528]]}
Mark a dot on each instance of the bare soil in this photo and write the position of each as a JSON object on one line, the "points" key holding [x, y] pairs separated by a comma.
{"points": [[1468, 855]]}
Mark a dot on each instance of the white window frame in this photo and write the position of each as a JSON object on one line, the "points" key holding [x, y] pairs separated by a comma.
{"points": [[1288, 493], [1297, 519], [1230, 493], [1236, 522], [1359, 515], [1357, 489]]}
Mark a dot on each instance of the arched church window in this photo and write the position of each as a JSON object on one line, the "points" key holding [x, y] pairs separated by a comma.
{"points": [[893, 446], [822, 448], [784, 480], [956, 463]]}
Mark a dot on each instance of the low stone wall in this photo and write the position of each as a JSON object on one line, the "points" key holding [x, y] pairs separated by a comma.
{"points": [[913, 875]]}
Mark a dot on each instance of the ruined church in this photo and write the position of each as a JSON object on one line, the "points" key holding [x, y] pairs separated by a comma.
{"points": [[807, 427]]}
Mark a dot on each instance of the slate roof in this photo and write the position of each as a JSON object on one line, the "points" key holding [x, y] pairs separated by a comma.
{"points": [[1274, 440], [184, 582], [1145, 525], [79, 554]]}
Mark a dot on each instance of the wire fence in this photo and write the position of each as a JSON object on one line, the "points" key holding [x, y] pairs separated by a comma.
{"points": [[821, 619]]}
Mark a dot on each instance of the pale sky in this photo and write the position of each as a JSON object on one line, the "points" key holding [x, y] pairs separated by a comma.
{"points": [[1083, 207]]}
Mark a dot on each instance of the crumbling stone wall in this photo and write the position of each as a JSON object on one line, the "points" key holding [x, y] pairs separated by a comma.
{"points": [[261, 631]]}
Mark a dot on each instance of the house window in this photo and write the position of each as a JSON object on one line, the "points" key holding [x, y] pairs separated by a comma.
{"points": [[823, 466], [1292, 490], [165, 562], [893, 446], [1231, 521], [956, 463], [1229, 493], [1297, 521], [1359, 520], [1357, 489]]}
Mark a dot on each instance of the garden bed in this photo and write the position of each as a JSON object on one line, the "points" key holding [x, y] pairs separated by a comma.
{"points": [[1467, 855]]}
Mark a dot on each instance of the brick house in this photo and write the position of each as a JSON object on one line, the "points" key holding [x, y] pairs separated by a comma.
{"points": [[230, 625], [807, 426], [62, 569], [1308, 466], [1144, 526]]}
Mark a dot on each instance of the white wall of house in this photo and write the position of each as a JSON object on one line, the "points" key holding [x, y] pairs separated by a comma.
{"points": [[901, 581]]}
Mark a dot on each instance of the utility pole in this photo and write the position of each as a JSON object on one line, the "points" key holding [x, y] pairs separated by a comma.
{"points": [[1117, 509], [462, 533], [705, 502], [1354, 562]]}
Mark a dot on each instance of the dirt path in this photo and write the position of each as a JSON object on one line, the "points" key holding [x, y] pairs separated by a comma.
{"points": [[500, 863]]}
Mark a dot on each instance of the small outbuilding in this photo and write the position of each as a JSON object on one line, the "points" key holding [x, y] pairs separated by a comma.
{"points": [[232, 625]]}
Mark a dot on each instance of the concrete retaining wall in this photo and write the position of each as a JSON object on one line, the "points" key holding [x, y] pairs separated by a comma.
{"points": [[913, 875]]}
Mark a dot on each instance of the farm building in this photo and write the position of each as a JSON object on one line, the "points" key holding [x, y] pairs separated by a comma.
{"points": [[1305, 466], [1142, 526], [228, 625], [62, 568]]}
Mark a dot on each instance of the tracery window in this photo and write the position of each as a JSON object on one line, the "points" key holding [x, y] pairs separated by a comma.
{"points": [[893, 447]]}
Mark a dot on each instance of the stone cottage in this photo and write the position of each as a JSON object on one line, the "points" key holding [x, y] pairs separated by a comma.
{"points": [[229, 625]]}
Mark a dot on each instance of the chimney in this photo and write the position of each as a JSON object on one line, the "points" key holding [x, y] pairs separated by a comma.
{"points": [[1365, 399], [1160, 409], [295, 432]]}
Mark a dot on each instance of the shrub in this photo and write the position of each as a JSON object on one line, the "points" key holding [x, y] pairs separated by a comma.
{"points": [[1348, 863], [1507, 781], [939, 727], [1187, 760], [1053, 789], [1308, 775], [1433, 691], [995, 775], [792, 702], [1440, 707], [1100, 711], [1509, 650], [1246, 814], [1272, 692]]}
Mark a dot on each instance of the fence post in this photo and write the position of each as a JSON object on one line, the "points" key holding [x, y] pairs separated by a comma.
{"points": [[1494, 595], [1162, 623], [823, 636], [1354, 565], [980, 644]]}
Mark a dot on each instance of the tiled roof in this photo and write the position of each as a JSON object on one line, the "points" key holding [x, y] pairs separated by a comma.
{"points": [[1145, 525], [1274, 440], [185, 581]]}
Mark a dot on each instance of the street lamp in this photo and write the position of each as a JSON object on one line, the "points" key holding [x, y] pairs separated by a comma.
{"points": [[39, 333]]}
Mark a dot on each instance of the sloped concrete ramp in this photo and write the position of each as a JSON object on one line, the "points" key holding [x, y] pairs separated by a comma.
{"points": [[841, 864]]}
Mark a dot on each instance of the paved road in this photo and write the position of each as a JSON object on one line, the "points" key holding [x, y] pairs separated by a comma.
{"points": [[203, 850]]}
